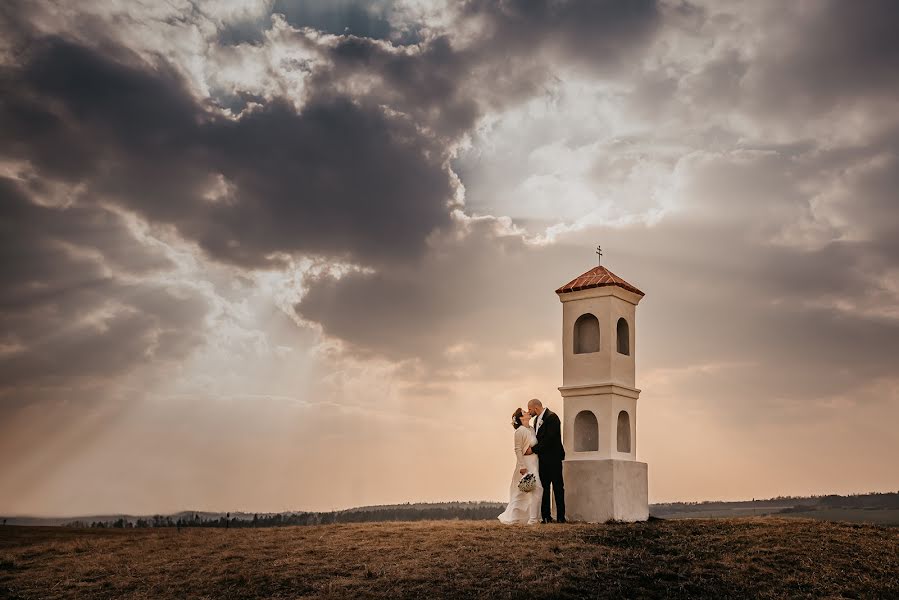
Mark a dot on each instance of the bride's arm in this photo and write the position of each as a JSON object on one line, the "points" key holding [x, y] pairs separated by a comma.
{"points": [[520, 444], [528, 449]]}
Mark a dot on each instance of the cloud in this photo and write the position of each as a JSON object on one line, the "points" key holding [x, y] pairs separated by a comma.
{"points": [[814, 71], [80, 302], [853, 57], [355, 173], [339, 178], [598, 34], [461, 292]]}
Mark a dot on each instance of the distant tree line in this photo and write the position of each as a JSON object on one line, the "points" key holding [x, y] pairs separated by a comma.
{"points": [[469, 511], [888, 500], [885, 501], [465, 511], [875, 500]]}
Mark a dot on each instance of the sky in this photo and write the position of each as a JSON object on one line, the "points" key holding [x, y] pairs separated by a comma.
{"points": [[301, 254]]}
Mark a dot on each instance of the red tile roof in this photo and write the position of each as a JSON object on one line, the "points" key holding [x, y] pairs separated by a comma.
{"points": [[597, 277]]}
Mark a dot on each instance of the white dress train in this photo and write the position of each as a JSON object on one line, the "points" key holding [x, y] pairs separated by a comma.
{"points": [[523, 507]]}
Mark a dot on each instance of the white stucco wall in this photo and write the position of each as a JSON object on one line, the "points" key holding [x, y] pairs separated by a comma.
{"points": [[607, 304], [599, 490], [605, 402]]}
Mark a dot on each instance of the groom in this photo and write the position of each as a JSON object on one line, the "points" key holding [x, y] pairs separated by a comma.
{"points": [[550, 452]]}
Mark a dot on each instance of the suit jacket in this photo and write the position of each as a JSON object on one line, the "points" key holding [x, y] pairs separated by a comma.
{"points": [[549, 438]]}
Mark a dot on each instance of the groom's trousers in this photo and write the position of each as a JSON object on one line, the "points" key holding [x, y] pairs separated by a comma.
{"points": [[551, 474]]}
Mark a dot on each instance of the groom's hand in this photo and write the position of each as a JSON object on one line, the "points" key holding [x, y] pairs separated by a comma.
{"points": [[528, 451]]}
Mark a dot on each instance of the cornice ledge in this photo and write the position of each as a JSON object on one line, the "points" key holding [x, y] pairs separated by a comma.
{"points": [[596, 389]]}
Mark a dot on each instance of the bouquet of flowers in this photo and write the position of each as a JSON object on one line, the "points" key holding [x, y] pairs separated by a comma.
{"points": [[528, 482]]}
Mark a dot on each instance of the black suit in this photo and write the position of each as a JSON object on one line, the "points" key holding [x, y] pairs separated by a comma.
{"points": [[551, 453]]}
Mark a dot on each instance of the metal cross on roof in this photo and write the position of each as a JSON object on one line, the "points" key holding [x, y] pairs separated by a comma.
{"points": [[599, 253]]}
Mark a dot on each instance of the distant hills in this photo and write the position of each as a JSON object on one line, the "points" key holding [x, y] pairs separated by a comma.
{"points": [[872, 507], [469, 511]]}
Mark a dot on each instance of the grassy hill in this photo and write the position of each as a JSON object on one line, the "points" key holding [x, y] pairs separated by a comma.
{"points": [[721, 558]]}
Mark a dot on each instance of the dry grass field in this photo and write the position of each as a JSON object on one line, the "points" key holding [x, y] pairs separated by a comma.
{"points": [[722, 558]]}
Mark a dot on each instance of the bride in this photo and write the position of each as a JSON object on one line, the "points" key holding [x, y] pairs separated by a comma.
{"points": [[524, 507]]}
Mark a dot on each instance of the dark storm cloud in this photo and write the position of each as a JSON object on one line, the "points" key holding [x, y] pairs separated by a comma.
{"points": [[797, 61], [38, 264], [447, 83], [600, 34], [71, 110], [461, 289], [830, 52], [867, 195], [71, 306], [435, 84], [339, 178], [244, 32]]}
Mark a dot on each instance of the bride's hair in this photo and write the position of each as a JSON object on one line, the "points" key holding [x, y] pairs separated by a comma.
{"points": [[516, 418]]}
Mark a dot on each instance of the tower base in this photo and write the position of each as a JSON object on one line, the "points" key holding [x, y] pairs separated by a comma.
{"points": [[600, 490]]}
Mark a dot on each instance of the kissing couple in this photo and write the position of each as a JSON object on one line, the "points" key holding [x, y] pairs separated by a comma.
{"points": [[539, 454]]}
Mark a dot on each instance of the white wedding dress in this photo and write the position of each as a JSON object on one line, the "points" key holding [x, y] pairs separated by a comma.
{"points": [[524, 507]]}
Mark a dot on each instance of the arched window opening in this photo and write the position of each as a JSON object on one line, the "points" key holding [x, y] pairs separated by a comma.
{"points": [[624, 432], [586, 334], [586, 432], [624, 337]]}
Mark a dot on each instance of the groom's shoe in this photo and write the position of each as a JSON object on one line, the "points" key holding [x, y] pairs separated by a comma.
{"points": [[562, 521], [548, 520]]}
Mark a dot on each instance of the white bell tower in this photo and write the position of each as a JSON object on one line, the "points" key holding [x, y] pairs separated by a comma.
{"points": [[603, 479]]}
